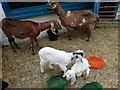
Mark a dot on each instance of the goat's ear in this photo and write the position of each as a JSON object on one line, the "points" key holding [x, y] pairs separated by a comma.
{"points": [[58, 25], [82, 54], [81, 60], [53, 29], [54, 6], [49, 3]]}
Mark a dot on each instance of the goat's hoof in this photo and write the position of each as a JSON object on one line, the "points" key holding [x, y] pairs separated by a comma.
{"points": [[40, 47], [70, 39], [62, 71], [14, 50], [33, 53], [42, 72], [87, 40], [37, 45], [51, 68], [71, 83], [18, 47]]}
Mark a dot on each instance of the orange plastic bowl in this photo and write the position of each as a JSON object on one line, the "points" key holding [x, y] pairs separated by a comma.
{"points": [[96, 62]]}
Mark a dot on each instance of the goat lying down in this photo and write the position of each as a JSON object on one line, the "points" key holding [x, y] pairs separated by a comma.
{"points": [[26, 29], [50, 56], [83, 20], [80, 67]]}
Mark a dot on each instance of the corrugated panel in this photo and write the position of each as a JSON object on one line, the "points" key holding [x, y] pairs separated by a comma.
{"points": [[42, 10]]}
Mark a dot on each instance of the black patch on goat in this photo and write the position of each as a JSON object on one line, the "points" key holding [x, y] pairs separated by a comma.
{"points": [[78, 54], [51, 35]]}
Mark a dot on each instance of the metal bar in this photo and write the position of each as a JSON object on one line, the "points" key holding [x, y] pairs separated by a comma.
{"points": [[96, 6], [117, 8], [109, 6], [109, 25], [108, 15], [107, 11], [110, 22], [109, 19]]}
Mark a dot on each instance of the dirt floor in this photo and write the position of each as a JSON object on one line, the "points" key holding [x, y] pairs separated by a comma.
{"points": [[22, 70]]}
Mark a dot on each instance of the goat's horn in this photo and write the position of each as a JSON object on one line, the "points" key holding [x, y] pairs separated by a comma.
{"points": [[53, 29], [49, 2]]}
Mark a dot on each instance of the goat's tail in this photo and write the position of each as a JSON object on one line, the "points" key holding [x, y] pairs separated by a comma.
{"points": [[98, 18], [58, 25]]}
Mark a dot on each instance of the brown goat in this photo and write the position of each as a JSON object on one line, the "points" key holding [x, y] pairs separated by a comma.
{"points": [[26, 29], [84, 20]]}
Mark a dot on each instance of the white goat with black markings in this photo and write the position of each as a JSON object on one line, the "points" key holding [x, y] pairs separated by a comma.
{"points": [[80, 67], [50, 56]]}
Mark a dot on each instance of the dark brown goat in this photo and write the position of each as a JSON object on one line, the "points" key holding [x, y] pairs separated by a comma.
{"points": [[26, 29], [84, 20]]}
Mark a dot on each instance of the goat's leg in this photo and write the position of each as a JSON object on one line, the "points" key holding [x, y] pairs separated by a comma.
{"points": [[90, 29], [69, 32], [73, 80], [84, 73], [10, 39], [63, 68], [78, 74], [15, 44], [32, 45], [89, 33], [36, 42], [87, 71], [49, 65], [42, 67]]}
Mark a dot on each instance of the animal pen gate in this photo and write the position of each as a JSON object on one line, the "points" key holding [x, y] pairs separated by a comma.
{"points": [[108, 12]]}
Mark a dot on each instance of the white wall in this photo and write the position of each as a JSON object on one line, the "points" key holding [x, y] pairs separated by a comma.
{"points": [[2, 15]]}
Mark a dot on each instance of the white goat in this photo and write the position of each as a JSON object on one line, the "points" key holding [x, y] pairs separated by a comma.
{"points": [[80, 67], [50, 56]]}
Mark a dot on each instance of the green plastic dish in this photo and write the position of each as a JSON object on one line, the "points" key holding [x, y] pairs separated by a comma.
{"points": [[56, 81], [91, 86]]}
